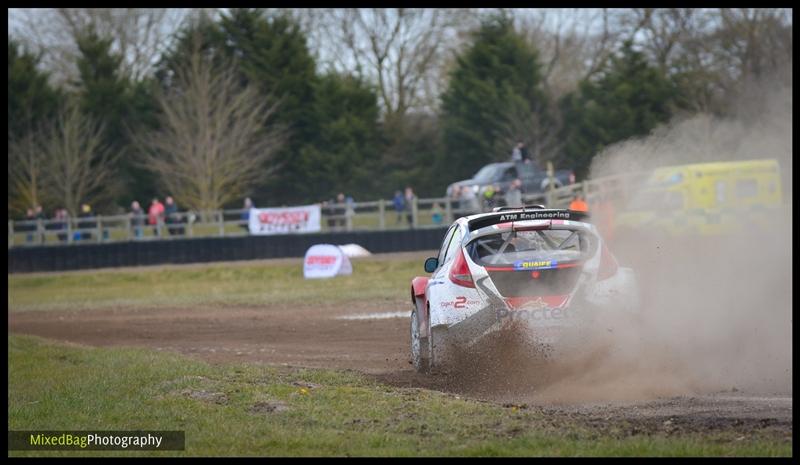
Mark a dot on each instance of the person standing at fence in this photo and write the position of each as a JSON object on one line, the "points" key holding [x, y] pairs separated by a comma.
{"points": [[30, 219], [437, 216], [578, 204], [172, 217], [399, 204], [514, 194], [327, 210], [340, 211], [410, 200], [62, 220], [490, 195], [86, 224], [137, 219], [245, 217], [469, 201], [350, 211], [455, 199], [155, 216], [39, 226]]}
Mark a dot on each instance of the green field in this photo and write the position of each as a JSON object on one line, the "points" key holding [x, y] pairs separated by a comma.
{"points": [[245, 409], [248, 283], [251, 409]]}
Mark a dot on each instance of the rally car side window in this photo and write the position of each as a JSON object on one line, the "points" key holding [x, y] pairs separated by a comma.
{"points": [[446, 243], [455, 243]]}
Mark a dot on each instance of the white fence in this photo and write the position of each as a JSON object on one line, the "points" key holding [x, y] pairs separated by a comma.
{"points": [[356, 216]]}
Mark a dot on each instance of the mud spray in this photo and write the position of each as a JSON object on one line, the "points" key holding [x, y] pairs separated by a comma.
{"points": [[716, 314]]}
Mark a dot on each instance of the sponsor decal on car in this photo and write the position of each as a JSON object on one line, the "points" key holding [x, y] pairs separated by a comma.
{"points": [[547, 314], [489, 220], [525, 265], [459, 302], [543, 311], [542, 215]]}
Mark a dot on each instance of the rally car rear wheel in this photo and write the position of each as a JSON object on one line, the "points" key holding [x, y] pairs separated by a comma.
{"points": [[439, 348], [420, 348]]}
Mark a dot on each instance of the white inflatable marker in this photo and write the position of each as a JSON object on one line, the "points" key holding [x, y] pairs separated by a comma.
{"points": [[325, 261], [354, 250]]}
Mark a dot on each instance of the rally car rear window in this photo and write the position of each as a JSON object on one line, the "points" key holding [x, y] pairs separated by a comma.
{"points": [[510, 247]]}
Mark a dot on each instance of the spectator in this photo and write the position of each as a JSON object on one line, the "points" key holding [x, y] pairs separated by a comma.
{"points": [[578, 204], [399, 204], [436, 214], [245, 218], [455, 198], [62, 219], [520, 153], [329, 211], [40, 226], [30, 219], [410, 200], [340, 211], [155, 216], [490, 197], [86, 225], [350, 211], [172, 216], [137, 219], [469, 200], [514, 194]]}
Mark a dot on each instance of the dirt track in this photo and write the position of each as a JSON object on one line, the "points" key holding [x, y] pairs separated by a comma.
{"points": [[318, 337]]}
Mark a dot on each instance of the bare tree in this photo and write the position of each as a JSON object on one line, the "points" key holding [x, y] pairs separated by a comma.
{"points": [[573, 44], [752, 42], [401, 50], [718, 53], [79, 167], [212, 146], [26, 158], [140, 35]]}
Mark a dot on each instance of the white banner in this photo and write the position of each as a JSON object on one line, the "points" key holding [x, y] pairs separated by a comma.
{"points": [[302, 219]]}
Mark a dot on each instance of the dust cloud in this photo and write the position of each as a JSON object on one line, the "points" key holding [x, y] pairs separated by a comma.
{"points": [[715, 312]]}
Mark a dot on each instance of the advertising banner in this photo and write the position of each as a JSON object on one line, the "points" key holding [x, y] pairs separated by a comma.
{"points": [[302, 219]]}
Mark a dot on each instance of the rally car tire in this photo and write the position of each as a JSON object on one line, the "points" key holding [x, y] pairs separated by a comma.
{"points": [[440, 349], [420, 346]]}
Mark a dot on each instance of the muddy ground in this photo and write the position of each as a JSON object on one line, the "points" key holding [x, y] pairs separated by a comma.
{"points": [[318, 337]]}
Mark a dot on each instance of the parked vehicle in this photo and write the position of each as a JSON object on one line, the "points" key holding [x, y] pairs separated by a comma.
{"points": [[500, 175], [704, 198]]}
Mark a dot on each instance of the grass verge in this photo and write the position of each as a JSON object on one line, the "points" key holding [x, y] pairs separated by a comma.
{"points": [[260, 283], [246, 409]]}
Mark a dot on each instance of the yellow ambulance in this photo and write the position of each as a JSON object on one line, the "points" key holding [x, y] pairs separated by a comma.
{"points": [[705, 198]]}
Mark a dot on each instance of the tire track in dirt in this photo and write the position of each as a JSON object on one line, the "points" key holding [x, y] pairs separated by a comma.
{"points": [[317, 337]]}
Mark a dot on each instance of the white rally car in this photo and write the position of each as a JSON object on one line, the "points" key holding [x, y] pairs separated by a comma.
{"points": [[544, 267]]}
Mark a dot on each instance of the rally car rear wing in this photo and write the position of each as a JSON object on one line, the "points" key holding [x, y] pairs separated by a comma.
{"points": [[536, 212]]}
